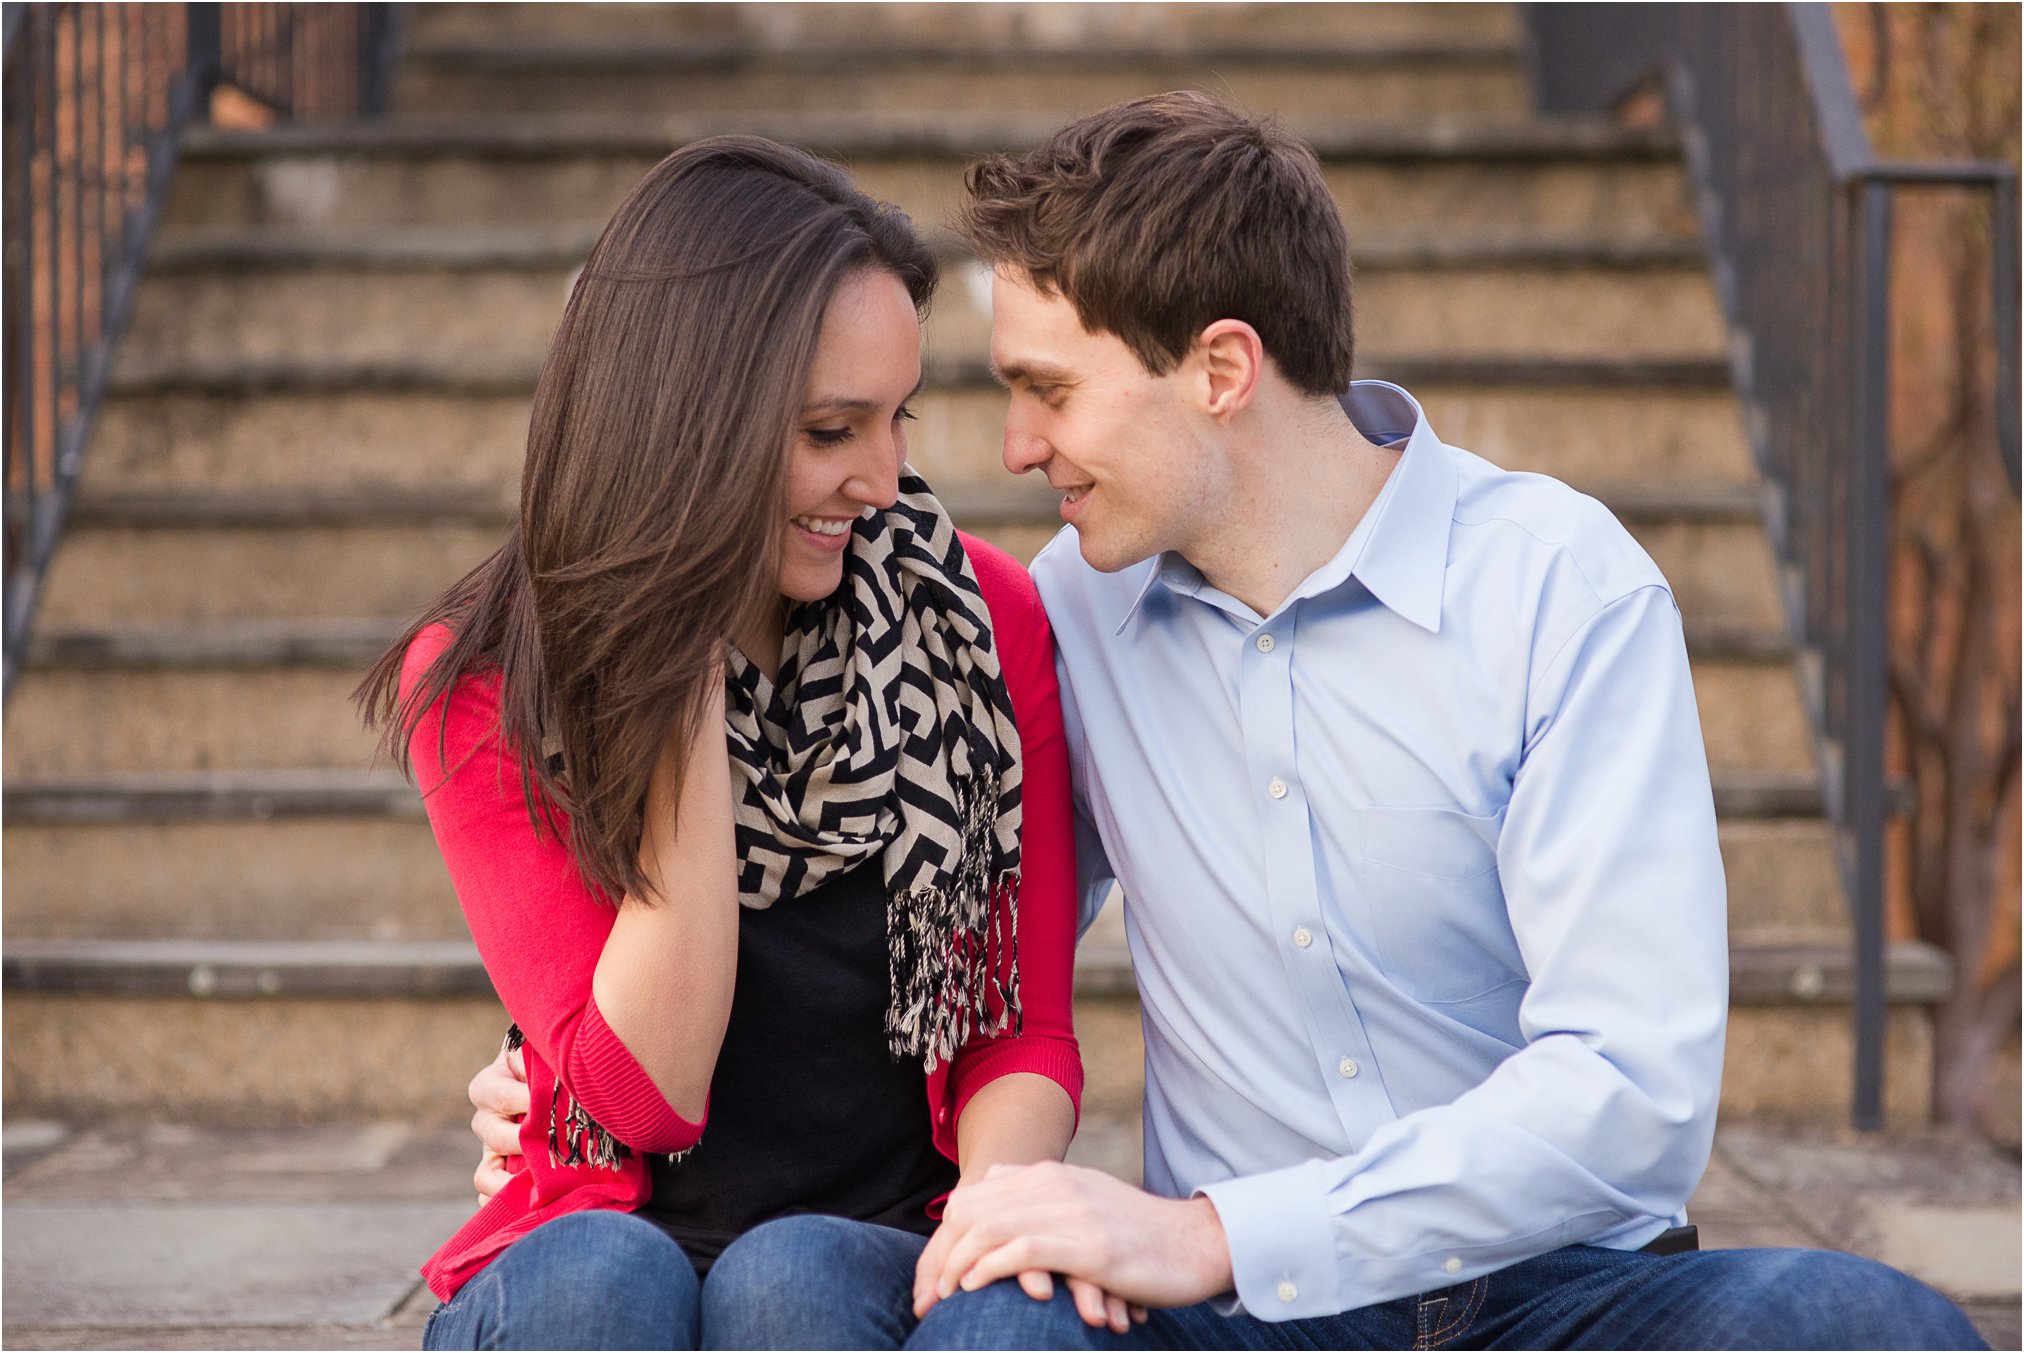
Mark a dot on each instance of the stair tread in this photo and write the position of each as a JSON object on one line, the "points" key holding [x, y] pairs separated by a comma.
{"points": [[430, 247], [736, 55], [133, 378], [182, 795], [1760, 974], [899, 134]]}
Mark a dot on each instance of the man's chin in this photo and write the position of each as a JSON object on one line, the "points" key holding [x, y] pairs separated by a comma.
{"points": [[1107, 554]]}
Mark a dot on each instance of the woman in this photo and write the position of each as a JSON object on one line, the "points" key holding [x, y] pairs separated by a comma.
{"points": [[748, 771]]}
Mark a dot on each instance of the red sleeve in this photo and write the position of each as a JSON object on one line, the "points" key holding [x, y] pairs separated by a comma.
{"points": [[539, 927], [1046, 901]]}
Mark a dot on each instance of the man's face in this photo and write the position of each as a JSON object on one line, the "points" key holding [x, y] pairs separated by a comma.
{"points": [[1116, 440]]}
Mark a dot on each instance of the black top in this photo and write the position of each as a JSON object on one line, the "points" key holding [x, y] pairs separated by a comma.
{"points": [[808, 1111]]}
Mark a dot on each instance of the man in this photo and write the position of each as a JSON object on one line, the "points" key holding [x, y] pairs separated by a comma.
{"points": [[1396, 758]]}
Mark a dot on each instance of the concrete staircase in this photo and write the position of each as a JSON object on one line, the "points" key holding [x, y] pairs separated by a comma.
{"points": [[216, 910]]}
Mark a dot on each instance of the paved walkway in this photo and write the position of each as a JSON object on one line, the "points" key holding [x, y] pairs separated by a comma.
{"points": [[176, 1237]]}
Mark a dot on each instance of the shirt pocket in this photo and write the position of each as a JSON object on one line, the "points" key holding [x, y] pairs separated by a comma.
{"points": [[1440, 930]]}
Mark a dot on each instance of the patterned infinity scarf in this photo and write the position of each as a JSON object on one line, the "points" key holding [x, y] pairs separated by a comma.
{"points": [[889, 736]]}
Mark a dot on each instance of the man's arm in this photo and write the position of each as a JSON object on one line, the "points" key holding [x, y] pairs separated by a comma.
{"points": [[1613, 881]]}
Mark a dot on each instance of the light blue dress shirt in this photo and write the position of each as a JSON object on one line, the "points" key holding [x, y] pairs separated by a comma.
{"points": [[1420, 879]]}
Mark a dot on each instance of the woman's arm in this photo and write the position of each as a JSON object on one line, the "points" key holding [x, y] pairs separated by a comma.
{"points": [[1014, 1120], [543, 932], [679, 953], [1044, 1048]]}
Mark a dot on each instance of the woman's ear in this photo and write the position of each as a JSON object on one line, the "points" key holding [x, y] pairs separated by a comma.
{"points": [[1232, 362]]}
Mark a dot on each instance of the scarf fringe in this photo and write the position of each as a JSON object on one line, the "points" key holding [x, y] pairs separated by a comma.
{"points": [[954, 951]]}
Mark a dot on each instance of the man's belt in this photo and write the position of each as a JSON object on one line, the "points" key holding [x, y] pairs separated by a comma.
{"points": [[1679, 1240]]}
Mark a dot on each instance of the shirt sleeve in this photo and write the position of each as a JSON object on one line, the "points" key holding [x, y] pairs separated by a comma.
{"points": [[1602, 1122], [1045, 1044], [538, 926]]}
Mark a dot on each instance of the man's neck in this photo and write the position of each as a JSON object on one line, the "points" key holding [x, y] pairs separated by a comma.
{"points": [[1303, 491]]}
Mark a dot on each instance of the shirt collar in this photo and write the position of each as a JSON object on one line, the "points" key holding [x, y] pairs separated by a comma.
{"points": [[1400, 548]]}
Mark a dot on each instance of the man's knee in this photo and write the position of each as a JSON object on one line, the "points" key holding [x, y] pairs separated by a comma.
{"points": [[1827, 1299], [1003, 1316]]}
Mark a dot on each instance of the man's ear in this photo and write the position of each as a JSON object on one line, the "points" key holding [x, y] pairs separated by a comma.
{"points": [[1232, 362]]}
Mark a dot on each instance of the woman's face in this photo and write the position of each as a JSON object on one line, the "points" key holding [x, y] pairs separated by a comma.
{"points": [[851, 439]]}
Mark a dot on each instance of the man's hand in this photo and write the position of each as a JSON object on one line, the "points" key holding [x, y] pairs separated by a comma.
{"points": [[499, 1094], [1101, 1234]]}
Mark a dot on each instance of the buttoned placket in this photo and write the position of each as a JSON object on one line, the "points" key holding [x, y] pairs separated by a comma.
{"points": [[1293, 893]]}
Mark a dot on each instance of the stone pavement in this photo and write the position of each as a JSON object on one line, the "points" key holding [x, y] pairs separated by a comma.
{"points": [[156, 1236]]}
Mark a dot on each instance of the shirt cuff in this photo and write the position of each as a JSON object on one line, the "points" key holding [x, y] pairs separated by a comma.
{"points": [[1282, 1242], [613, 1088]]}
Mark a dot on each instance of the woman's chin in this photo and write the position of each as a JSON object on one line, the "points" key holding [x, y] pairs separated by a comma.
{"points": [[811, 582]]}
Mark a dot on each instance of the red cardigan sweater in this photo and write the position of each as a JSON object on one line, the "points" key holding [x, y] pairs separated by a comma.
{"points": [[540, 928]]}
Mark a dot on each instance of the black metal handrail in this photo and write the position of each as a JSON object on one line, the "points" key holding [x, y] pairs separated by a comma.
{"points": [[1795, 208], [95, 97]]}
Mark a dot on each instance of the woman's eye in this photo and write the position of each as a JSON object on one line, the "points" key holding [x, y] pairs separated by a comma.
{"points": [[829, 436], [904, 415]]}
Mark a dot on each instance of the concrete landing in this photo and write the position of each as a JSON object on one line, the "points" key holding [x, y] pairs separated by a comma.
{"points": [[162, 1236]]}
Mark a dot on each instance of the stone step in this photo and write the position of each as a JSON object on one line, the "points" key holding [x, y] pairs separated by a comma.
{"points": [[273, 565], [214, 1031], [502, 312], [1565, 181], [1067, 28], [319, 435], [185, 716], [639, 75], [376, 875]]}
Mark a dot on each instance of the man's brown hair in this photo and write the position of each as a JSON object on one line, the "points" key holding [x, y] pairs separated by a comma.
{"points": [[1161, 215]]}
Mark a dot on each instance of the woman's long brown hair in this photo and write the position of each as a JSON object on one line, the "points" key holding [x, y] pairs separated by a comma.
{"points": [[650, 503]]}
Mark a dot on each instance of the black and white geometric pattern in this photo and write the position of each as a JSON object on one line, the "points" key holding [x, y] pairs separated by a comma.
{"points": [[889, 736]]}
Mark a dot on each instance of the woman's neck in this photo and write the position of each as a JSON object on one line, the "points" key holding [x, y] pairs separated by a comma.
{"points": [[760, 640]]}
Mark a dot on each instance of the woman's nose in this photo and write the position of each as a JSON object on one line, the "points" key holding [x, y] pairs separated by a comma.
{"points": [[875, 480]]}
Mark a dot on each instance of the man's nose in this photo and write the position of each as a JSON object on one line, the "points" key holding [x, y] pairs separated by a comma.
{"points": [[1024, 451]]}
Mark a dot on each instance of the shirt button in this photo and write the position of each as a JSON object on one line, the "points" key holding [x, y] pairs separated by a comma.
{"points": [[1287, 1292], [1277, 789], [1302, 937], [1347, 1066], [1265, 642], [1453, 1265]]}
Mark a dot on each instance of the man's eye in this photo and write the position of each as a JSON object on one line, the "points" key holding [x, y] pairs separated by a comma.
{"points": [[828, 436], [904, 415]]}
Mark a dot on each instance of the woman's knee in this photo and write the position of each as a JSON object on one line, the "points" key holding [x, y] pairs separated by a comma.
{"points": [[811, 1282], [588, 1280]]}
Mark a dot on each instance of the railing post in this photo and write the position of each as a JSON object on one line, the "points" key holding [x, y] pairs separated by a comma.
{"points": [[1867, 616], [203, 38], [2003, 242]]}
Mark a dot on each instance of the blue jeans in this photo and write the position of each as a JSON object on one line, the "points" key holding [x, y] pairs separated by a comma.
{"points": [[1579, 1297], [611, 1280], [587, 1280]]}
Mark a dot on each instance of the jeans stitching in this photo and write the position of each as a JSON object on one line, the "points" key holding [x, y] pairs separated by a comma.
{"points": [[1455, 1329]]}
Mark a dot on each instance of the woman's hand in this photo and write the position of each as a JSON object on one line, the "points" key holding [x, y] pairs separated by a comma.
{"points": [[499, 1096]]}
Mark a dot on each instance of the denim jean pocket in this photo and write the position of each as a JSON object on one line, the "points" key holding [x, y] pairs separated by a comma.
{"points": [[1439, 926]]}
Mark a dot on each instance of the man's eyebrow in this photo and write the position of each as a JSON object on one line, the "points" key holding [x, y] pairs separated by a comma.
{"points": [[1039, 372]]}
